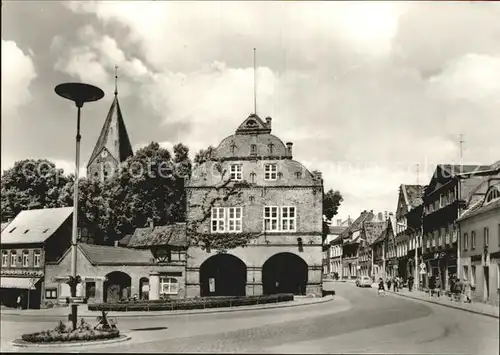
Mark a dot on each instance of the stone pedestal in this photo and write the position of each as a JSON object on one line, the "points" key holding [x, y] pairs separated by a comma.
{"points": [[315, 290], [154, 286]]}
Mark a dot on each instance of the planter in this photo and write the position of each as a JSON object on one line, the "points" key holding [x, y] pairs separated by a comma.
{"points": [[78, 336], [190, 304]]}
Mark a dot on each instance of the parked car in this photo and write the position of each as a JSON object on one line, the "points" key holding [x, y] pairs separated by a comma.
{"points": [[364, 281]]}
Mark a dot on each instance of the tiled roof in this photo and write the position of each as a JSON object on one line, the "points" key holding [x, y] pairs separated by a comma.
{"points": [[172, 234], [476, 203], [479, 208], [124, 149], [414, 194], [337, 229], [373, 230], [356, 225], [458, 169], [35, 226], [105, 255]]}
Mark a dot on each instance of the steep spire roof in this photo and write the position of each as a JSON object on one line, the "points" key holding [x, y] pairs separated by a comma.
{"points": [[114, 137]]}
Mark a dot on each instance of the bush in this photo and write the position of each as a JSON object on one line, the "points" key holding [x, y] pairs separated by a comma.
{"points": [[192, 303], [63, 333]]}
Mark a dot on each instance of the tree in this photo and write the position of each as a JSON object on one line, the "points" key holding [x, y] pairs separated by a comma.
{"points": [[331, 203], [32, 184], [204, 155]]}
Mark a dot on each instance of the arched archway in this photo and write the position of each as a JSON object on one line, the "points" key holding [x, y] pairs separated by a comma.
{"points": [[223, 275], [143, 288], [284, 273], [117, 286]]}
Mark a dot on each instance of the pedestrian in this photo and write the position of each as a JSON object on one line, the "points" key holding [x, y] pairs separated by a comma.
{"points": [[438, 286], [395, 284], [467, 291], [451, 292], [18, 302], [410, 283], [389, 283], [381, 289], [432, 284]]}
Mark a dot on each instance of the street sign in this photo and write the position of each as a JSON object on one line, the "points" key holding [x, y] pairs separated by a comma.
{"points": [[423, 272], [422, 265]]}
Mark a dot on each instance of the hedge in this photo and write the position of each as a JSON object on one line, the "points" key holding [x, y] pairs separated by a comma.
{"points": [[190, 303]]}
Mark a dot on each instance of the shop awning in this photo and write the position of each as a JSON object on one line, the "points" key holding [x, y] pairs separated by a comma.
{"points": [[25, 283]]}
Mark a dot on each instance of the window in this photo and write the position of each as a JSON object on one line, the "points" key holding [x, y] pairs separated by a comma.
{"points": [[486, 237], [235, 172], [218, 219], [270, 146], [288, 218], [298, 174], [37, 256], [440, 238], [227, 219], [5, 258], [271, 219], [13, 229], [13, 257], [252, 177], [473, 275], [234, 219], [493, 194], [51, 293], [271, 172], [466, 241], [168, 286], [26, 258], [473, 240], [253, 149], [90, 289]]}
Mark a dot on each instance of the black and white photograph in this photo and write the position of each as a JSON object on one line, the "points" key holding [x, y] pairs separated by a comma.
{"points": [[277, 177]]}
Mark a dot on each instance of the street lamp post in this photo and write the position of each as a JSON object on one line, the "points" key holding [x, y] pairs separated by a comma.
{"points": [[79, 93]]}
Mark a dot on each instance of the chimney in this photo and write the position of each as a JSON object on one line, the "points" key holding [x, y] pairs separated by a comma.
{"points": [[116, 243], [385, 215], [289, 147], [380, 217], [339, 222], [268, 122], [151, 223]]}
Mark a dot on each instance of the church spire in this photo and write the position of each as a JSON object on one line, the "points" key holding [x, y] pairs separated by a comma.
{"points": [[116, 80]]}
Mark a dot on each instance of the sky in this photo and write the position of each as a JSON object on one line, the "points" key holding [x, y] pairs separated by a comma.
{"points": [[365, 91]]}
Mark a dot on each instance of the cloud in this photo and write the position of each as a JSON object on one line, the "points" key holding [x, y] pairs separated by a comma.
{"points": [[18, 71], [381, 86]]}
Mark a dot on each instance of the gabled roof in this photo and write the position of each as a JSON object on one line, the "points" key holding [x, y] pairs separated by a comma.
{"points": [[477, 203], [35, 226], [172, 234], [336, 230], [114, 120], [4, 225], [253, 124], [413, 195], [108, 255], [372, 230], [356, 225]]}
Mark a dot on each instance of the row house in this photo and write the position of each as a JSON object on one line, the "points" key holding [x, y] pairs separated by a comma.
{"points": [[479, 242], [333, 253], [350, 245], [408, 229], [443, 200], [33, 239], [390, 246], [370, 233]]}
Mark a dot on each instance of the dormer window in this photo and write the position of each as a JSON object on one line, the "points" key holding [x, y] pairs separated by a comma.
{"points": [[233, 147], [252, 177], [253, 149], [251, 123], [236, 172], [492, 195], [298, 174]]}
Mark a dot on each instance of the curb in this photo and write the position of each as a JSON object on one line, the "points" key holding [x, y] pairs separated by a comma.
{"points": [[445, 305], [21, 344], [187, 313]]}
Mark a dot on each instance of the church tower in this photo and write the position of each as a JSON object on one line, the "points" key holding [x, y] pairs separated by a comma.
{"points": [[113, 145]]}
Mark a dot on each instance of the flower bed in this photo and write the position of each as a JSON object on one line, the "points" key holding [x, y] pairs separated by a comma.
{"points": [[62, 334], [190, 303]]}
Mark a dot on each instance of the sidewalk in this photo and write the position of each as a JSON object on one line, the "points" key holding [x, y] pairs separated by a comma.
{"points": [[475, 307], [85, 313]]}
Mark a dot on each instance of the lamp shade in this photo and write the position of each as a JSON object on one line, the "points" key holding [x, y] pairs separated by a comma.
{"points": [[79, 92]]}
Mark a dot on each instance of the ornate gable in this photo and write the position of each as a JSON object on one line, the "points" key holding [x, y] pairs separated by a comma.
{"points": [[253, 125]]}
